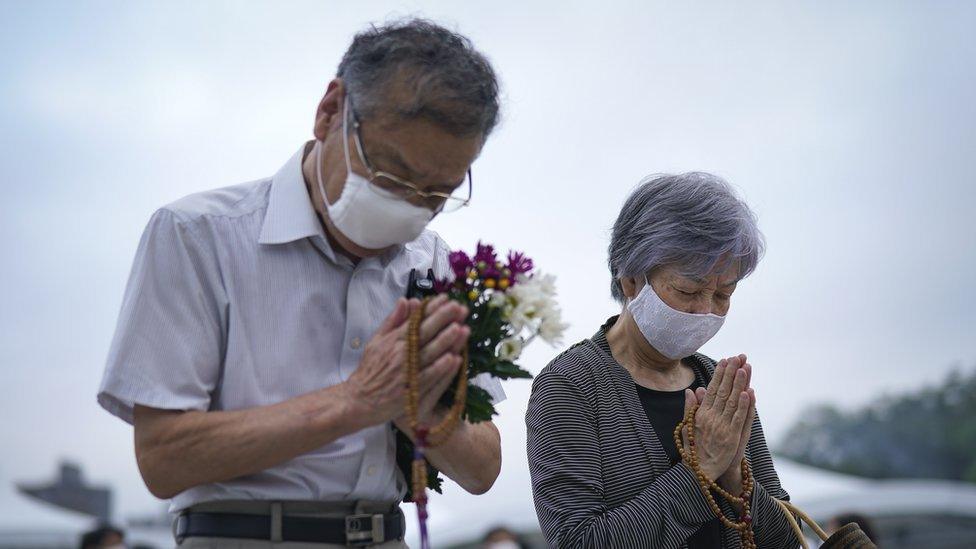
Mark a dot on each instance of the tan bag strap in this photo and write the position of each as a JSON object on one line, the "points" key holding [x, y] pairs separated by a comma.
{"points": [[792, 520], [850, 535], [789, 509]]}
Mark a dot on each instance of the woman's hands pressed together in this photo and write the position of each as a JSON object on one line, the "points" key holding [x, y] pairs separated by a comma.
{"points": [[723, 422]]}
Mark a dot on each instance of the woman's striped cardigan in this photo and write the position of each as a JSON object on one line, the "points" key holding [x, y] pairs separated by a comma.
{"points": [[600, 477]]}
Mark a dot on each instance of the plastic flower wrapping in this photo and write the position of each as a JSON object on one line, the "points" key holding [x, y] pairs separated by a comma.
{"points": [[510, 305]]}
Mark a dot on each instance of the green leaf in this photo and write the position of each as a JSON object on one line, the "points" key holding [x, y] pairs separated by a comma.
{"points": [[504, 369], [434, 480], [478, 406]]}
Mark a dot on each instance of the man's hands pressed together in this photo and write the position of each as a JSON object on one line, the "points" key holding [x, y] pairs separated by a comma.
{"points": [[378, 386]]}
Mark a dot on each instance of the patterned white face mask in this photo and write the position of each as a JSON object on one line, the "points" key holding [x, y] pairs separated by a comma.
{"points": [[675, 334]]}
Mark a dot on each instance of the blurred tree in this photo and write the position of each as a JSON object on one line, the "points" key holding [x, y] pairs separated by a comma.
{"points": [[930, 433]]}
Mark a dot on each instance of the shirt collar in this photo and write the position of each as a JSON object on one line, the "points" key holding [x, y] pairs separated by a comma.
{"points": [[290, 215]]}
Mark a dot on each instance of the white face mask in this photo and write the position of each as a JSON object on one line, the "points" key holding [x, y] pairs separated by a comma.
{"points": [[675, 334], [371, 217]]}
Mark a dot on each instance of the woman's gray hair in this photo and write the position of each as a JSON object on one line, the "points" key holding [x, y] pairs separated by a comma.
{"points": [[414, 68], [693, 221]]}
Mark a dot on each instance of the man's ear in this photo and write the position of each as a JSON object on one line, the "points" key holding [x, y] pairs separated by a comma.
{"points": [[329, 112]]}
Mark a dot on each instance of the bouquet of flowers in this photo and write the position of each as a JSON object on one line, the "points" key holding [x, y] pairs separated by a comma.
{"points": [[510, 305]]}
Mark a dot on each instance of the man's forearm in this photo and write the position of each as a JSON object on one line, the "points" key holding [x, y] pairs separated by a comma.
{"points": [[472, 456], [178, 450]]}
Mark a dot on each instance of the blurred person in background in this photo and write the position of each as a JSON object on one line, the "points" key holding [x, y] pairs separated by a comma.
{"points": [[838, 521], [606, 471], [501, 537], [103, 537], [260, 345]]}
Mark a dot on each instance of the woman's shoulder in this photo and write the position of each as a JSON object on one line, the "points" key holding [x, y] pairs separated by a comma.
{"points": [[570, 383], [704, 367], [581, 364], [705, 362]]}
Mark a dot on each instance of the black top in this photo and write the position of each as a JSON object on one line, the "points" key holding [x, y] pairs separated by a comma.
{"points": [[665, 409]]}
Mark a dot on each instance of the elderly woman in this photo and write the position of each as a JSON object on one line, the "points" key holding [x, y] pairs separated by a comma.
{"points": [[606, 470]]}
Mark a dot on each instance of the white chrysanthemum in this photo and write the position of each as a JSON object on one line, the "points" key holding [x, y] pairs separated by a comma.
{"points": [[510, 348], [531, 305], [528, 293], [546, 284], [551, 329], [517, 318]]}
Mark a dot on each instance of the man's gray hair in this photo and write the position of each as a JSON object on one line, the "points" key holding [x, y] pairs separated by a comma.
{"points": [[694, 222], [415, 68]]}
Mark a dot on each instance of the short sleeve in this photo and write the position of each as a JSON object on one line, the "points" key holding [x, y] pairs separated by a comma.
{"points": [[167, 348], [442, 269]]}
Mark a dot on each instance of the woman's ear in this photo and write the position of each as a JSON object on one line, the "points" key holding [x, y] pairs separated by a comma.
{"points": [[629, 286]]}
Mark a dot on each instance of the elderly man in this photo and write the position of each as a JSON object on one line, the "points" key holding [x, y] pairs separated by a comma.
{"points": [[260, 345]]}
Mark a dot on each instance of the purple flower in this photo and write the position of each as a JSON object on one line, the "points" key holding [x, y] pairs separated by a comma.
{"points": [[443, 286], [460, 263], [490, 271], [485, 253], [518, 263]]}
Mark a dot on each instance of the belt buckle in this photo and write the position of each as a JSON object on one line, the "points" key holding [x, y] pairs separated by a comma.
{"points": [[362, 530], [180, 526]]}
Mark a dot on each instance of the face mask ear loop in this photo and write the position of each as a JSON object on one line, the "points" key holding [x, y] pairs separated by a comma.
{"points": [[318, 172], [345, 147], [647, 284], [345, 133]]}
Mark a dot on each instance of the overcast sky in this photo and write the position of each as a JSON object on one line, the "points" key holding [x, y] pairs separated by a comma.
{"points": [[850, 128]]}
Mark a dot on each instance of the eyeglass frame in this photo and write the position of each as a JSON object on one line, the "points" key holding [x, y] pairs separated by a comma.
{"points": [[409, 186]]}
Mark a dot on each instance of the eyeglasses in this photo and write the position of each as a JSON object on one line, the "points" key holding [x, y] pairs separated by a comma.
{"points": [[439, 202]]}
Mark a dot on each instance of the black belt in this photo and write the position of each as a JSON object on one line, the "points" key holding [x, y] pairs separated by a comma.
{"points": [[353, 530]]}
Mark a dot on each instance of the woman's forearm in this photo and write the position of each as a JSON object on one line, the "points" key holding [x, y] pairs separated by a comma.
{"points": [[177, 450], [772, 529], [663, 515]]}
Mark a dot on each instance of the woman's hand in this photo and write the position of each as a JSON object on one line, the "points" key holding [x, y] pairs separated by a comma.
{"points": [[722, 413], [731, 479]]}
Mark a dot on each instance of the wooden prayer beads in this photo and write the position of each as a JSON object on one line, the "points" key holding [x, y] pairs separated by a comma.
{"points": [[690, 457], [428, 437]]}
